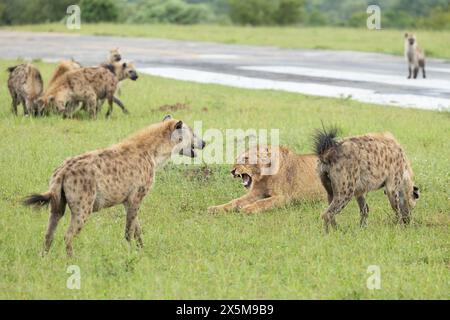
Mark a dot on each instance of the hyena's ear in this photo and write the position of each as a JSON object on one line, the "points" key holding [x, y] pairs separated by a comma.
{"points": [[124, 65], [406, 34], [168, 117], [416, 192], [178, 125]]}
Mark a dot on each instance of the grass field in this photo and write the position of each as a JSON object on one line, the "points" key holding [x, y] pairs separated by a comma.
{"points": [[190, 254], [384, 41]]}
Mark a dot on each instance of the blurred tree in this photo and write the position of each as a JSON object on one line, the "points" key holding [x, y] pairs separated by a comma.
{"points": [[99, 10], [171, 11], [266, 12], [254, 12], [289, 12]]}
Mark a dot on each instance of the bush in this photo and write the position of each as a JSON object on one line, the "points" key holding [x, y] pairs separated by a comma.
{"points": [[99, 10], [266, 12]]}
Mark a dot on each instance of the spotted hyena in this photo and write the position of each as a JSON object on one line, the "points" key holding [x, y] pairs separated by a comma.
{"points": [[121, 174], [354, 166], [89, 86], [25, 86], [414, 56], [114, 55]]}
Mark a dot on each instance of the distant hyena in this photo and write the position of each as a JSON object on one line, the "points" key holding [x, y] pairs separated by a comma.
{"points": [[89, 86], [121, 174], [114, 55], [354, 166], [25, 86], [414, 56]]}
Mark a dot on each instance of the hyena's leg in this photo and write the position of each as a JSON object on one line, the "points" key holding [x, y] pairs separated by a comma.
{"points": [[235, 204], [416, 71], [339, 202], [422, 65], [121, 105], [91, 105], [30, 107], [24, 106], [55, 215], [363, 210], [326, 182], [264, 204], [110, 99], [80, 212], [132, 204], [14, 103], [138, 233], [397, 199], [410, 72]]}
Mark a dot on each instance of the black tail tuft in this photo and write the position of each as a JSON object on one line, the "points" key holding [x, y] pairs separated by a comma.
{"points": [[324, 140], [11, 69], [37, 200]]}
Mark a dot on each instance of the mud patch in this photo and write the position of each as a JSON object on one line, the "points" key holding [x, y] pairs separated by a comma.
{"points": [[174, 107]]}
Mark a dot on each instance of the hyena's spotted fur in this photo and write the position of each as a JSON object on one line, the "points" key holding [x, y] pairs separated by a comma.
{"points": [[88, 86], [121, 174], [25, 86], [414, 56], [354, 166], [114, 55]]}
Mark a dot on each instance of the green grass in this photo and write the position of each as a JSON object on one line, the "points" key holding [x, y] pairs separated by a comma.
{"points": [[390, 41], [190, 254]]}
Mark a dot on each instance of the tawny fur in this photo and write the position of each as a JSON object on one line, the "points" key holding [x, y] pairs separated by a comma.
{"points": [[293, 178], [414, 56], [62, 68], [25, 86], [356, 165], [88, 86], [120, 174]]}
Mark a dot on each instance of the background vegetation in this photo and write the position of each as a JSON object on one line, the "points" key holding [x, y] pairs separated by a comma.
{"points": [[190, 254], [431, 14]]}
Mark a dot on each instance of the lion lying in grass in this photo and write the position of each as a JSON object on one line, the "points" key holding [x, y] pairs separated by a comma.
{"points": [[275, 176]]}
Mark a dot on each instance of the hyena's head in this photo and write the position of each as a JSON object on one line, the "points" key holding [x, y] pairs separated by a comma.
{"points": [[114, 55], [410, 38], [183, 141], [125, 70], [255, 163]]}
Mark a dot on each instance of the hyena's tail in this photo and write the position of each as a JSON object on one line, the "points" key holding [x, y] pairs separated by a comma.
{"points": [[37, 200], [52, 196], [325, 144]]}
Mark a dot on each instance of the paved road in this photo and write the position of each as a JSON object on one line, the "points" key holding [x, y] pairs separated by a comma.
{"points": [[367, 77]]}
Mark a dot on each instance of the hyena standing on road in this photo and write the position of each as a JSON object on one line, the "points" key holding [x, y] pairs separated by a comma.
{"points": [[414, 56], [354, 166], [121, 174], [25, 86]]}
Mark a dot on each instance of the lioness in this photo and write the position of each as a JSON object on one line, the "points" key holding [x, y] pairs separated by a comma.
{"points": [[274, 176]]}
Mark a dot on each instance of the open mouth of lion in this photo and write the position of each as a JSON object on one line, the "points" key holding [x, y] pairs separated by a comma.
{"points": [[246, 180]]}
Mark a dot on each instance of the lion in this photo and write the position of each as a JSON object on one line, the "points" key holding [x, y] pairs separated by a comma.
{"points": [[274, 176]]}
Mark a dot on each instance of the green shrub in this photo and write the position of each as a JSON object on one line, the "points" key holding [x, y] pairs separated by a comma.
{"points": [[99, 10], [171, 11], [266, 12]]}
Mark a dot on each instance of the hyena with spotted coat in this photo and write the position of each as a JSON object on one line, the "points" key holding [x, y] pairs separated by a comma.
{"points": [[25, 86], [89, 86], [356, 165], [121, 174], [414, 56]]}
